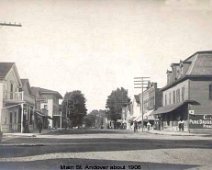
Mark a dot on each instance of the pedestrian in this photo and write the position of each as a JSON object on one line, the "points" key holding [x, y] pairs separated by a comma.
{"points": [[182, 125], [135, 126], [179, 125], [148, 126], [40, 126]]}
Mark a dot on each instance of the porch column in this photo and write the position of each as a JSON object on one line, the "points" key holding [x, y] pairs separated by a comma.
{"points": [[61, 120], [22, 112], [1, 104]]}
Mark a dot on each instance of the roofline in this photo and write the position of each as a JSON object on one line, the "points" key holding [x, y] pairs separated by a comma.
{"points": [[53, 93], [198, 52], [16, 72], [47, 92], [184, 78]]}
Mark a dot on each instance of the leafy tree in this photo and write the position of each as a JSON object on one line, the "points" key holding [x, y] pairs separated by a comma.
{"points": [[115, 101], [74, 105], [94, 118], [90, 119]]}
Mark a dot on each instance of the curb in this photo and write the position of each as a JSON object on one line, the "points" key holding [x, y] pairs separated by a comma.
{"points": [[26, 134], [173, 134]]}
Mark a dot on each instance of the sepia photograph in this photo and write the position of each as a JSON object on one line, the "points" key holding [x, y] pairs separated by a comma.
{"points": [[106, 84]]}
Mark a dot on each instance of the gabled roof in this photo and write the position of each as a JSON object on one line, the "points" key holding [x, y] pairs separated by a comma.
{"points": [[5, 68], [25, 84], [45, 91]]}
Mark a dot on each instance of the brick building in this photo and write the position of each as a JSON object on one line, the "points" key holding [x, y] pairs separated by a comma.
{"points": [[188, 90], [152, 99]]}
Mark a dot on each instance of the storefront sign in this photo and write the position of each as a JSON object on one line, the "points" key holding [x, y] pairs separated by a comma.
{"points": [[200, 121], [191, 112]]}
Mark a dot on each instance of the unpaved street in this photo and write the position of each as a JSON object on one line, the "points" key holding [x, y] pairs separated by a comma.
{"points": [[109, 150]]}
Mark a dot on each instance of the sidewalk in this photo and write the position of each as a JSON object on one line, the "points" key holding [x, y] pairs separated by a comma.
{"points": [[176, 133], [33, 134]]}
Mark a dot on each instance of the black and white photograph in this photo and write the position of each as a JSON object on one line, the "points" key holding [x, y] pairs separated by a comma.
{"points": [[106, 84]]}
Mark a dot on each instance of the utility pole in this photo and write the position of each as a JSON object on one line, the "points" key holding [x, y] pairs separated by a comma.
{"points": [[141, 83], [10, 24]]}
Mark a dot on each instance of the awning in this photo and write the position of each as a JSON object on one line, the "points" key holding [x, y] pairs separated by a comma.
{"points": [[40, 114], [11, 106], [172, 107], [138, 118], [148, 114], [131, 118]]}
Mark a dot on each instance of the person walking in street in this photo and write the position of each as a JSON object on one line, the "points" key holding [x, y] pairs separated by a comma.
{"points": [[135, 126], [40, 126], [148, 126], [182, 125], [179, 125]]}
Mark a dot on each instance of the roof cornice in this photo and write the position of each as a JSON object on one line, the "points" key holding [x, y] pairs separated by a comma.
{"points": [[185, 78]]}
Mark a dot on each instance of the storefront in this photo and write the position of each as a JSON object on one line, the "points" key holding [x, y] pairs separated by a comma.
{"points": [[168, 117]]}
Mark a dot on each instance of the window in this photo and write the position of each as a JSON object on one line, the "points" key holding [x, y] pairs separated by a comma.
{"points": [[183, 93], [173, 97], [165, 100], [178, 96], [15, 117], [210, 91]]}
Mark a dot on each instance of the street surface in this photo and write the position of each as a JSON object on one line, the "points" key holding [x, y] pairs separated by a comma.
{"points": [[111, 149]]}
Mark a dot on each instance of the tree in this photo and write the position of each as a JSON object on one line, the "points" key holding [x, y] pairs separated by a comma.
{"points": [[90, 119], [95, 119], [115, 101], [74, 105]]}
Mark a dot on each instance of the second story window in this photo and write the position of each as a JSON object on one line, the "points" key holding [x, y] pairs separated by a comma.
{"points": [[183, 93], [210, 91], [165, 102], [11, 90], [178, 96], [173, 97]]}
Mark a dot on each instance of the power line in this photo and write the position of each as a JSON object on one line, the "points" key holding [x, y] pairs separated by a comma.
{"points": [[141, 83], [10, 24]]}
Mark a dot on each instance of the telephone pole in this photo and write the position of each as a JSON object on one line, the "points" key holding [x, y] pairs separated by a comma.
{"points": [[10, 24], [141, 83]]}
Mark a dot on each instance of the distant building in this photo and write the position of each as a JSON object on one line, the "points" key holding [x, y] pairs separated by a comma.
{"points": [[152, 99], [16, 101], [188, 90], [127, 116], [136, 108], [47, 106]]}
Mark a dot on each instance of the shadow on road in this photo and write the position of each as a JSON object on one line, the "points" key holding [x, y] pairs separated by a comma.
{"points": [[56, 164]]}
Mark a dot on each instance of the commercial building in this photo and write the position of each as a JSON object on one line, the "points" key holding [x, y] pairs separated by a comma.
{"points": [[151, 98], [188, 94]]}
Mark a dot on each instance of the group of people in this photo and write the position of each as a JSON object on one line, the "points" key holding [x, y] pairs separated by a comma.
{"points": [[148, 125]]}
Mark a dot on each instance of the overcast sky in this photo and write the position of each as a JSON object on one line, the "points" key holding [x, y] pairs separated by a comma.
{"points": [[98, 45]]}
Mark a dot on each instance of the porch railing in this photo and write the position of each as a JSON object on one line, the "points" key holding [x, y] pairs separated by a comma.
{"points": [[13, 96], [18, 96]]}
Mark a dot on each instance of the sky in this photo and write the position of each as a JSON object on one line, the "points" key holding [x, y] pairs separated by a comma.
{"points": [[97, 46]]}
